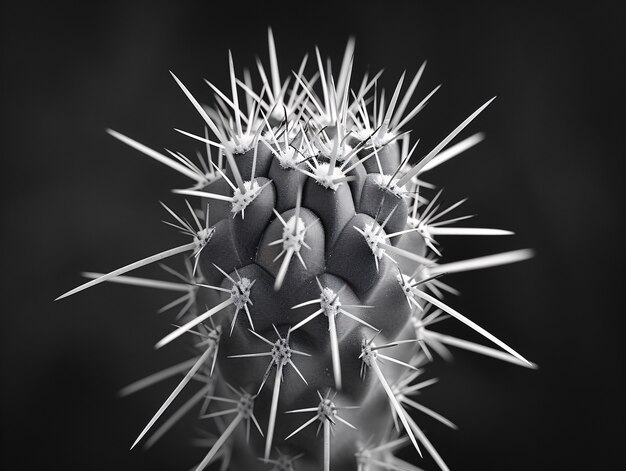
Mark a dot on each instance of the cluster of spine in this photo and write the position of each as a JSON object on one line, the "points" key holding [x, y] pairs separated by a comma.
{"points": [[313, 272]]}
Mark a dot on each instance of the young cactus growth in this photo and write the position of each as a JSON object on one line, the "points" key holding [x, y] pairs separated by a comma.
{"points": [[315, 234]]}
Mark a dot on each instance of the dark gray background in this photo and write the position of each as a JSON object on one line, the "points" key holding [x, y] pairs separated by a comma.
{"points": [[75, 199]]}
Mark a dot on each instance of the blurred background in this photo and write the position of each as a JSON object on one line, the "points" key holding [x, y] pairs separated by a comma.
{"points": [[74, 199]]}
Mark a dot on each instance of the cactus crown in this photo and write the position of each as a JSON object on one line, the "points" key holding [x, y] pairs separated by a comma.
{"points": [[321, 233]]}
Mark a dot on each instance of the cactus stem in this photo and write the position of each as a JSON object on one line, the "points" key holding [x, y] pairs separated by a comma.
{"points": [[326, 133]]}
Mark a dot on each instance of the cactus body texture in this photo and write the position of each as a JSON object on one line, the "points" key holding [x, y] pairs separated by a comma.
{"points": [[313, 274]]}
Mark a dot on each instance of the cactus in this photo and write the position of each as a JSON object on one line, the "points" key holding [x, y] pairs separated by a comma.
{"points": [[312, 272]]}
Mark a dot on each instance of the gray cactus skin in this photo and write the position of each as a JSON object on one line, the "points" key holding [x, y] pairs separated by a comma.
{"points": [[341, 260]]}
